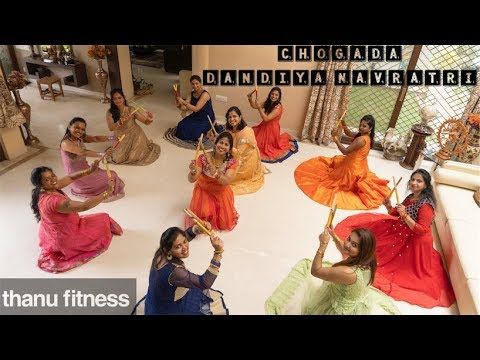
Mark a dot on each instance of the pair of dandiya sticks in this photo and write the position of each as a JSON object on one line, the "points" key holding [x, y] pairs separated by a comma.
{"points": [[104, 160], [200, 139], [175, 90], [199, 222], [333, 207]]}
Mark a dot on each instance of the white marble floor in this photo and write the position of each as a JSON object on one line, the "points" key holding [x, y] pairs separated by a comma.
{"points": [[278, 225]]}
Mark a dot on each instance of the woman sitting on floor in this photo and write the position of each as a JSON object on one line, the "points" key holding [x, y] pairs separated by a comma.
{"points": [[274, 147], [212, 173], [74, 156], [345, 287], [409, 268], [197, 123], [346, 176], [67, 239], [250, 173], [135, 148], [172, 289]]}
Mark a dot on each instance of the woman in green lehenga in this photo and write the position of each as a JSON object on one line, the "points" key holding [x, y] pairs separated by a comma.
{"points": [[319, 288]]}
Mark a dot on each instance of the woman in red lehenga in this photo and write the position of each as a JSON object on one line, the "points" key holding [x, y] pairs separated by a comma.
{"points": [[274, 147], [212, 198], [409, 268], [67, 239]]}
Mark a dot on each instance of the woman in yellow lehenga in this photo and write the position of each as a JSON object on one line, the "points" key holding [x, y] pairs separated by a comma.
{"points": [[250, 173]]}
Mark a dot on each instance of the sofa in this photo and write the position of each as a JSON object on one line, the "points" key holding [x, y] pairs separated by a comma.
{"points": [[457, 221]]}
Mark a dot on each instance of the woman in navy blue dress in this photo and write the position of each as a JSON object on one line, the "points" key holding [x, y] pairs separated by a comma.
{"points": [[192, 126], [172, 289]]}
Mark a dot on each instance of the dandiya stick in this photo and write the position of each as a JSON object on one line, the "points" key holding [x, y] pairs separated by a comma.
{"points": [[394, 188], [340, 119], [114, 145], [396, 191], [193, 215], [204, 152], [329, 220], [213, 127], [137, 105], [134, 111], [175, 90], [197, 221], [109, 174], [198, 146], [333, 209], [331, 215]]}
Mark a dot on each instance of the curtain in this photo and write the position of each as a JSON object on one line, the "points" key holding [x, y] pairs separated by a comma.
{"points": [[327, 103]]}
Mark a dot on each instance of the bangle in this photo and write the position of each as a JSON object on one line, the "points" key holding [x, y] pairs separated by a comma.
{"points": [[215, 263], [321, 253], [218, 252]]}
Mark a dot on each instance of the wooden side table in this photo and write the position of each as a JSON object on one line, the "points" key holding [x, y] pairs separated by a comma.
{"points": [[50, 92], [420, 132]]}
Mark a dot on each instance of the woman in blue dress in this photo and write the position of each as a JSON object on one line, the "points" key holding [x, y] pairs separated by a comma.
{"points": [[199, 102], [172, 289]]}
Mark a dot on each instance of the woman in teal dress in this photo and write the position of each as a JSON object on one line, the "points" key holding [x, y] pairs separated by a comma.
{"points": [[319, 288]]}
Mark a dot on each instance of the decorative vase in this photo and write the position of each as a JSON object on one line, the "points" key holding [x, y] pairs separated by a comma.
{"points": [[102, 77], [473, 147], [26, 111]]}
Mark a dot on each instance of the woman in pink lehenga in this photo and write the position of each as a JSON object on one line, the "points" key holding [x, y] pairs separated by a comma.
{"points": [[74, 157], [67, 239]]}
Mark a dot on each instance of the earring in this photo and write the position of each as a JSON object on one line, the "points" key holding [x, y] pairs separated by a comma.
{"points": [[169, 257]]}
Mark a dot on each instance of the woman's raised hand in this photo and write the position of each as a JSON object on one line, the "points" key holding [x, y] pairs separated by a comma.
{"points": [[217, 243], [324, 237], [193, 166], [94, 166], [387, 203], [211, 135], [402, 210]]}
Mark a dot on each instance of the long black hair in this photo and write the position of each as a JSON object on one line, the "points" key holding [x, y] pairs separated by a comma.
{"points": [[196, 77], [241, 125], [366, 257], [370, 120], [166, 242], [68, 134], [36, 180], [269, 104], [229, 136], [426, 193], [114, 110]]}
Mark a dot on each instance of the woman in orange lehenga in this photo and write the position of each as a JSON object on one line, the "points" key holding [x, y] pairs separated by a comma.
{"points": [[212, 198], [347, 177]]}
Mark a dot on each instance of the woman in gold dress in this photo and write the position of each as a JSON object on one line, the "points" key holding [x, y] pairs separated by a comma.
{"points": [[135, 148], [250, 173]]}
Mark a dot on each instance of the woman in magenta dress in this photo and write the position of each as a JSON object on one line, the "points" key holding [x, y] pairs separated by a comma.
{"points": [[274, 147], [74, 157], [67, 239], [409, 268]]}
